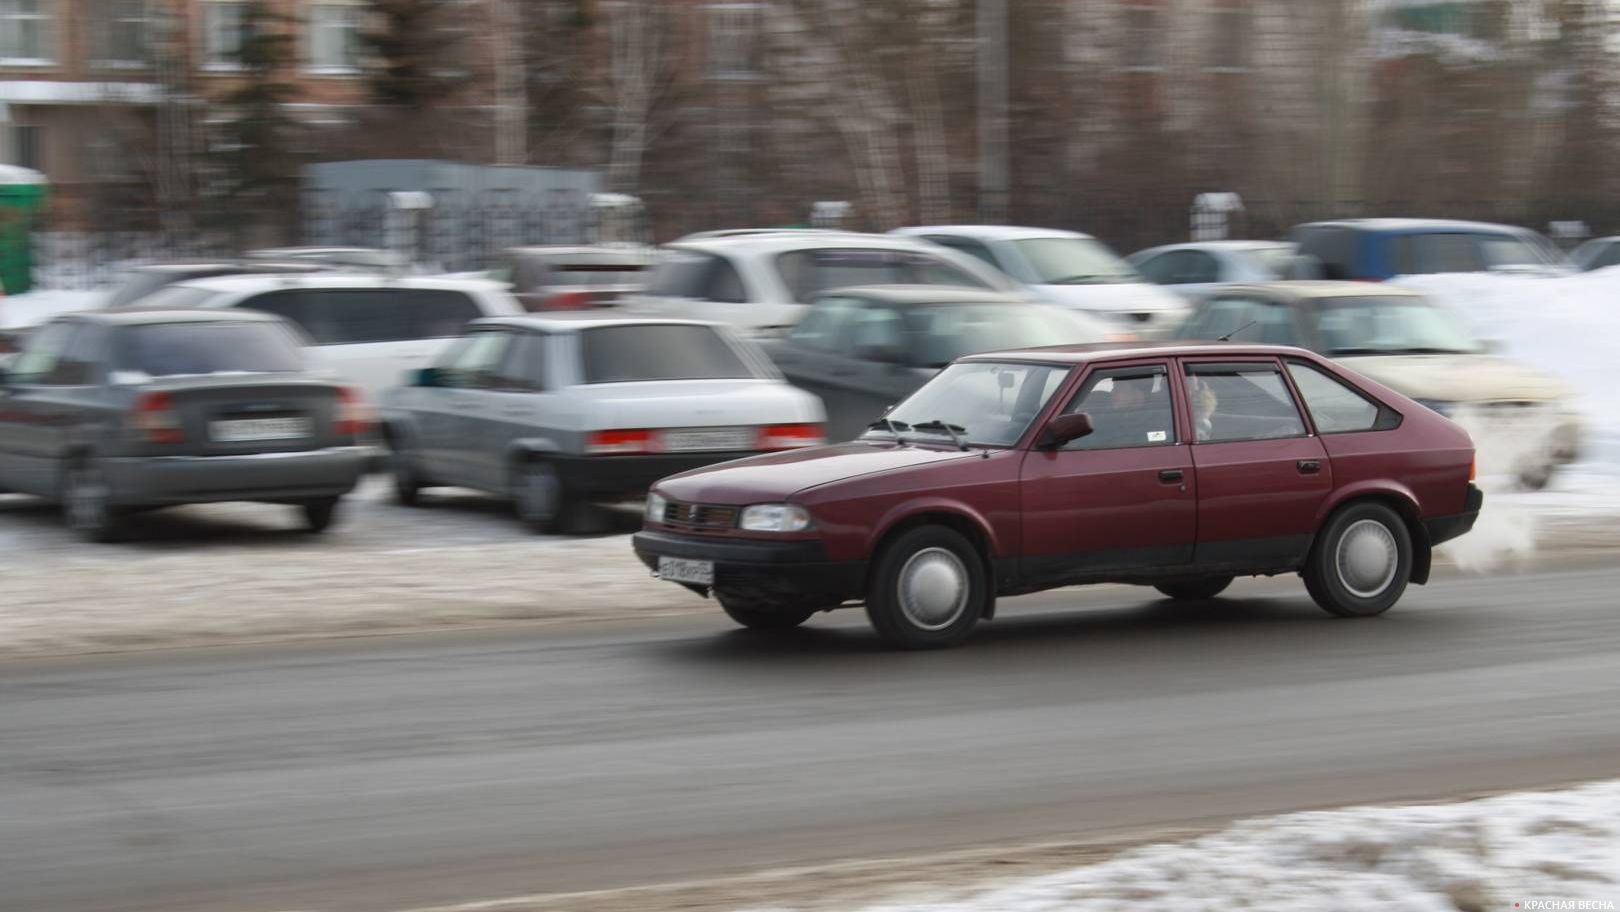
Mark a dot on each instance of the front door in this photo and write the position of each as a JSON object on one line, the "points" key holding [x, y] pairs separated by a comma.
{"points": [[1261, 476], [1120, 500]]}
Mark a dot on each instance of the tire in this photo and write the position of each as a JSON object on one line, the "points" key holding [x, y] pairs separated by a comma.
{"points": [[1361, 561], [927, 590], [87, 506], [407, 478], [540, 499], [318, 514], [1536, 477], [756, 614], [1195, 590]]}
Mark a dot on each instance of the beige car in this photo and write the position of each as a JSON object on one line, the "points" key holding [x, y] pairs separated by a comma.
{"points": [[1523, 420]]}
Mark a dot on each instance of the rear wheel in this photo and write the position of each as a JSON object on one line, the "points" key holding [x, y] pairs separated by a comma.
{"points": [[1536, 477], [87, 506], [1361, 561], [319, 513], [928, 589], [760, 614], [407, 477], [540, 498], [1196, 590]]}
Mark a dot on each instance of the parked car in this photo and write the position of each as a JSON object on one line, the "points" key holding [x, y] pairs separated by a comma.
{"points": [[371, 330], [1067, 268], [138, 281], [1176, 466], [1193, 268], [1413, 345], [555, 412], [1377, 249], [762, 282], [571, 278], [862, 350], [112, 411], [1597, 253]]}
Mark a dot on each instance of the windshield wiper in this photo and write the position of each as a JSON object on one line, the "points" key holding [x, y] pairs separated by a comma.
{"points": [[952, 429], [892, 426]]}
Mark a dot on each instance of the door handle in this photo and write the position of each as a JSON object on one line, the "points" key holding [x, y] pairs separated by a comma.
{"points": [[1171, 476], [1309, 466]]}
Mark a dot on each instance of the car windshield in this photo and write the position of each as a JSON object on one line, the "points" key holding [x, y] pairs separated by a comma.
{"points": [[1075, 261], [989, 403], [943, 333], [170, 349], [1532, 250], [1391, 325], [629, 354]]}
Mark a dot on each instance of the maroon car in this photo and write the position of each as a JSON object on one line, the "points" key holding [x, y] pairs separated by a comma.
{"points": [[1174, 465]]}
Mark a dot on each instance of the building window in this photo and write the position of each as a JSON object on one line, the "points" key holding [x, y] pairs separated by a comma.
{"points": [[334, 30], [223, 34], [122, 32], [731, 40], [1234, 31], [25, 33], [24, 150], [1144, 49]]}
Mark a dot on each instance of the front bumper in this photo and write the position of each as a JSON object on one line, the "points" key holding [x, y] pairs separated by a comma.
{"points": [[762, 568], [1446, 528], [303, 475], [614, 477]]}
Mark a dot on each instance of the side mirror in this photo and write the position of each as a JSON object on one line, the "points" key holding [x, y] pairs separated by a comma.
{"points": [[882, 354], [1064, 428], [427, 376]]}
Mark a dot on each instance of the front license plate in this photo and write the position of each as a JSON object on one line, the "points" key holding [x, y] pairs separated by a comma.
{"points": [[683, 570], [244, 430], [708, 439]]}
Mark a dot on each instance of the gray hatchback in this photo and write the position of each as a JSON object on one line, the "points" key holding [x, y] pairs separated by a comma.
{"points": [[108, 412]]}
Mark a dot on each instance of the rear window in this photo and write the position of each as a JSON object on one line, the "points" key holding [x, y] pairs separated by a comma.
{"points": [[626, 354], [169, 349], [806, 272], [346, 316], [689, 274]]}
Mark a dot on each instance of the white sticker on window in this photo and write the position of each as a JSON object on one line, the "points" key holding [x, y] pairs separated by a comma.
{"points": [[1157, 437]]}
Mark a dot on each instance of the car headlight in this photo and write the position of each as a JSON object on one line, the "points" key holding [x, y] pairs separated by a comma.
{"points": [[655, 507], [1443, 406], [775, 518]]}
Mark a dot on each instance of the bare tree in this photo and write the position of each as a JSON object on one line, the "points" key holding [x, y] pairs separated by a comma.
{"points": [[638, 66]]}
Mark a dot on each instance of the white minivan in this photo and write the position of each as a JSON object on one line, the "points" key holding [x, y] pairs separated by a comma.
{"points": [[370, 330]]}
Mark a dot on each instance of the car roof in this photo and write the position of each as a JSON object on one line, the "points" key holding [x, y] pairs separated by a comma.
{"points": [[568, 322], [1417, 225], [135, 315], [1217, 245], [784, 241], [323, 279], [990, 232], [1099, 351], [924, 295], [1304, 289]]}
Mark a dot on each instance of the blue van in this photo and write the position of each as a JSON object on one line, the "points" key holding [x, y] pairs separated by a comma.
{"points": [[1377, 249]]}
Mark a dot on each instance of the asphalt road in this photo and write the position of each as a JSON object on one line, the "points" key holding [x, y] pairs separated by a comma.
{"points": [[389, 772]]}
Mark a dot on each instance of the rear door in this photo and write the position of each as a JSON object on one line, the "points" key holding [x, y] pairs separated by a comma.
{"points": [[1261, 475], [1120, 500], [455, 421], [514, 401]]}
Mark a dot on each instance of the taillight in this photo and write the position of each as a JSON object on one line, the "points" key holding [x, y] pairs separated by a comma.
{"points": [[568, 300], [1473, 468], [789, 436], [619, 443], [156, 418], [353, 414]]}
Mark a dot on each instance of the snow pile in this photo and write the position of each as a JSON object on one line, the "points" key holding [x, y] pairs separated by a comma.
{"points": [[1535, 849], [35, 307]]}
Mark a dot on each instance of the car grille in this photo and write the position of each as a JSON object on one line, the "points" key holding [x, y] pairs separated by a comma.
{"points": [[699, 517]]}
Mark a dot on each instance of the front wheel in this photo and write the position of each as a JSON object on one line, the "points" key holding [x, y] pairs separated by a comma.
{"points": [[761, 615], [1361, 561], [1197, 590], [928, 590], [87, 506], [319, 513]]}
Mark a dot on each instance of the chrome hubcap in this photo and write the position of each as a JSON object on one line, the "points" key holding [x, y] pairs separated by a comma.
{"points": [[86, 499], [1367, 558], [539, 493], [933, 588]]}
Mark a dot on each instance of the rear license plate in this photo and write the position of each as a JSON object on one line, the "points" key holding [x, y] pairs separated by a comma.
{"points": [[709, 439], [244, 430], [683, 570]]}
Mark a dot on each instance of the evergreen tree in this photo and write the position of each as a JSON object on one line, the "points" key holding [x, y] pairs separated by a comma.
{"points": [[255, 149], [414, 45]]}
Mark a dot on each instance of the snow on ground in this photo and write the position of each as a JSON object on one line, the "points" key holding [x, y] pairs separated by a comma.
{"points": [[35, 307], [1550, 850]]}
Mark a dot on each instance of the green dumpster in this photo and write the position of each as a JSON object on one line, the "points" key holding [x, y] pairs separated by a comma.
{"points": [[22, 194]]}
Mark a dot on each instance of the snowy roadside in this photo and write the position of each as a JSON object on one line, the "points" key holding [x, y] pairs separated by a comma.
{"points": [[1522, 850]]}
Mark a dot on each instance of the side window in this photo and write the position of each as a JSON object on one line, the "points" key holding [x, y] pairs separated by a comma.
{"points": [[523, 367], [1334, 407], [80, 363], [1446, 253], [1190, 267], [1241, 401], [291, 306], [1156, 269], [925, 270], [968, 246], [1247, 319], [724, 284], [874, 327], [1128, 407], [40, 353], [474, 363], [434, 313], [1609, 257], [1332, 246], [823, 326]]}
